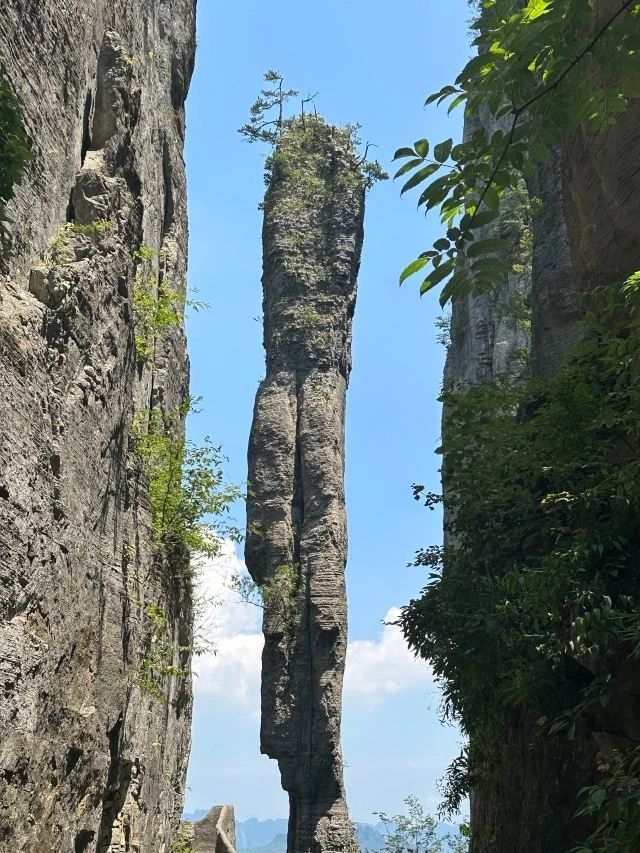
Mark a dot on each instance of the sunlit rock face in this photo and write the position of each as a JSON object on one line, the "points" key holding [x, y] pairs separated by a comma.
{"points": [[296, 538], [89, 760]]}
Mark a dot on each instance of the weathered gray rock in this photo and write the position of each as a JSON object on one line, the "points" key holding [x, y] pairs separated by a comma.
{"points": [[296, 540], [489, 332], [89, 761], [216, 833], [555, 303]]}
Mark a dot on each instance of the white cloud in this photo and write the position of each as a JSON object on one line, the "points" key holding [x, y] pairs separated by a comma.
{"points": [[379, 668], [230, 671], [230, 668]]}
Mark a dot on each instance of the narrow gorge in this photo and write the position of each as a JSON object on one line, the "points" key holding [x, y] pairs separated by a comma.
{"points": [[119, 545]]}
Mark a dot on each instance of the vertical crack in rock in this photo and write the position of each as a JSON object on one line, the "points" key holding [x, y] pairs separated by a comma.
{"points": [[296, 539]]}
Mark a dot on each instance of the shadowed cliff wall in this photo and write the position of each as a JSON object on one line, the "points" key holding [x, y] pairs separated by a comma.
{"points": [[585, 234]]}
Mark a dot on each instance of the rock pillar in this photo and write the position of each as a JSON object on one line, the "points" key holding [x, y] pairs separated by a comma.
{"points": [[297, 542]]}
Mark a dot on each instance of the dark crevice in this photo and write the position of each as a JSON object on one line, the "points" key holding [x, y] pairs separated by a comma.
{"points": [[118, 781], [86, 128], [71, 211], [167, 173], [83, 840], [72, 758]]}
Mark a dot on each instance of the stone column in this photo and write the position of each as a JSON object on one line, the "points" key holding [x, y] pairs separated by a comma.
{"points": [[296, 542]]}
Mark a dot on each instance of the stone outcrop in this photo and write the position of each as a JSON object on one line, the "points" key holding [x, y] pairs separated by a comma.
{"points": [[216, 833], [90, 760], [530, 806], [296, 538]]}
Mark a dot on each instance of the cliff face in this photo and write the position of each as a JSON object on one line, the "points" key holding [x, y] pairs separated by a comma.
{"points": [[90, 760], [585, 233], [296, 541]]}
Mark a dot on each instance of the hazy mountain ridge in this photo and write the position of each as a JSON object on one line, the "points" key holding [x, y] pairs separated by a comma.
{"points": [[270, 836]]}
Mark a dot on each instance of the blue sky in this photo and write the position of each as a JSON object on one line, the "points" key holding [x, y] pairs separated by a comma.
{"points": [[372, 63]]}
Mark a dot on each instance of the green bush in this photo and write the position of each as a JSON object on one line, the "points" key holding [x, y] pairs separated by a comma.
{"points": [[181, 843], [188, 497], [156, 306], [539, 590], [159, 662]]}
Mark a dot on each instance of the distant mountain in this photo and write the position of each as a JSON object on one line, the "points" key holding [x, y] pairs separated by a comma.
{"points": [[276, 845], [198, 814], [256, 834], [370, 837], [270, 836]]}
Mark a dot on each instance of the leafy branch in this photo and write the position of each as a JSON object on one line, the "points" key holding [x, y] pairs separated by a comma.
{"points": [[268, 122], [526, 68], [546, 90]]}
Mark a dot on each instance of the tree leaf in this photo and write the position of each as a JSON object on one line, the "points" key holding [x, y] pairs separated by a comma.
{"points": [[484, 217], [456, 102], [442, 151], [443, 93], [437, 276], [483, 247], [407, 167], [404, 152], [420, 176], [413, 267], [422, 147]]}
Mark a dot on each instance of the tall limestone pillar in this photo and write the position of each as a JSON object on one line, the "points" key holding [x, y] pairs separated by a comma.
{"points": [[297, 542]]}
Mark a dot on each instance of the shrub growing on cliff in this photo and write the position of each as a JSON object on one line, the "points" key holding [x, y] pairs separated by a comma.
{"points": [[188, 497], [269, 122], [279, 591], [262, 127], [164, 658], [156, 307], [15, 153], [182, 843]]}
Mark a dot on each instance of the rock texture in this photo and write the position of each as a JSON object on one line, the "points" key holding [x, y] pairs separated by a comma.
{"points": [[89, 761], [216, 833], [296, 542], [489, 332]]}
